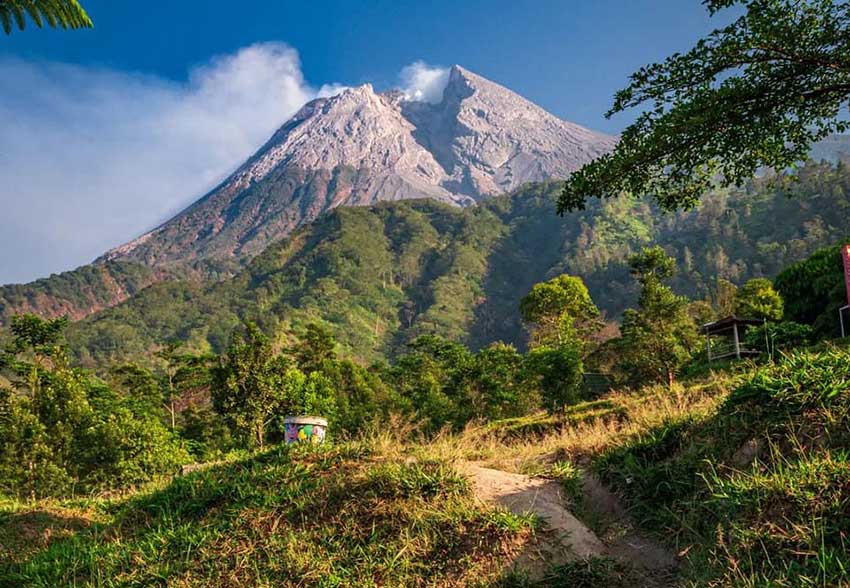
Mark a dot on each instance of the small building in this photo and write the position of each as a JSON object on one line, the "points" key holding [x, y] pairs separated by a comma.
{"points": [[724, 337]]}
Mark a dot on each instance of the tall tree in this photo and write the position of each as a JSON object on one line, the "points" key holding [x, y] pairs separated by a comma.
{"points": [[315, 345], [813, 290], [659, 336], [755, 93], [250, 386], [723, 298], [559, 309], [562, 317], [758, 299], [67, 14]]}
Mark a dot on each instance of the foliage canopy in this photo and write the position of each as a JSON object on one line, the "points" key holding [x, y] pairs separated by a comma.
{"points": [[755, 93]]}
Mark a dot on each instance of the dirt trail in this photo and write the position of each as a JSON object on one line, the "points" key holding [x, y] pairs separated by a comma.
{"points": [[565, 537]]}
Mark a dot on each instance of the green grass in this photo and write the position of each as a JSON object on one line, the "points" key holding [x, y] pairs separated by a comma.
{"points": [[595, 572], [332, 516], [746, 475], [758, 492]]}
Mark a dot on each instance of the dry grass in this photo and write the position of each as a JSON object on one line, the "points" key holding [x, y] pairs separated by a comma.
{"points": [[530, 445]]}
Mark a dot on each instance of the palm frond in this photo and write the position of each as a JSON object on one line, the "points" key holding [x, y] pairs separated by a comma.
{"points": [[67, 14]]}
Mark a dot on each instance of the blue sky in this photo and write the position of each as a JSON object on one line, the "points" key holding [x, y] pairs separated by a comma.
{"points": [[118, 127]]}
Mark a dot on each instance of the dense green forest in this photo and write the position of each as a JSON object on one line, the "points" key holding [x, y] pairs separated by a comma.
{"points": [[381, 276], [676, 440], [67, 429]]}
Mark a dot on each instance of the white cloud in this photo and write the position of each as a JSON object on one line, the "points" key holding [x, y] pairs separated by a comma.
{"points": [[423, 82], [92, 157]]}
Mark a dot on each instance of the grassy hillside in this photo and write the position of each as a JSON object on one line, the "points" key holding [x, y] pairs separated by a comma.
{"points": [[743, 473], [328, 517], [380, 276]]}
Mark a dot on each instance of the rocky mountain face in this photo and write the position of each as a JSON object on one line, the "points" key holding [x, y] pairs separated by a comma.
{"points": [[361, 147]]}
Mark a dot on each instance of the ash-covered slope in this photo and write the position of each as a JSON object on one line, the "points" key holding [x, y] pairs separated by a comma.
{"points": [[490, 140], [362, 147]]}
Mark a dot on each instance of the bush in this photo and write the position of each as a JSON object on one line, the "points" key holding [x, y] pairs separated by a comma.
{"points": [[772, 337], [813, 291]]}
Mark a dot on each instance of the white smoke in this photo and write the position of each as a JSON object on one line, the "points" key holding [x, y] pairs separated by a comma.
{"points": [[92, 157], [328, 90], [424, 83]]}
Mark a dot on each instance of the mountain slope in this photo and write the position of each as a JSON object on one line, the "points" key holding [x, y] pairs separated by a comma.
{"points": [[356, 148], [362, 147], [78, 293], [381, 275]]}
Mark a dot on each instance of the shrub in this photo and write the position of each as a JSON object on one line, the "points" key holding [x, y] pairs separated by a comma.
{"points": [[784, 336]]}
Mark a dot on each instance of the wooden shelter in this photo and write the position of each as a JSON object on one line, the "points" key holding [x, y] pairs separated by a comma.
{"points": [[730, 333]]}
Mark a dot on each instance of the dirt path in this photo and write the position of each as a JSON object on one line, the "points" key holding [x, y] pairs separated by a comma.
{"points": [[565, 537]]}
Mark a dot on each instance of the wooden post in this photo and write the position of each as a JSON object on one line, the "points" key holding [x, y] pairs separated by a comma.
{"points": [[737, 341], [708, 346]]}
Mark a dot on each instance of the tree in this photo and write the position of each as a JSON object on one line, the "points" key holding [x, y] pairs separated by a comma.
{"points": [[362, 397], [723, 298], [562, 317], [758, 299], [250, 384], [556, 372], [206, 432], [813, 290], [755, 93], [64, 429], [315, 345], [660, 336], [311, 394], [181, 374], [167, 354], [434, 378], [67, 14], [501, 388], [559, 309]]}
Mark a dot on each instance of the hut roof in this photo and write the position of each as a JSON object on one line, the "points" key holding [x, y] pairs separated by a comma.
{"points": [[727, 323]]}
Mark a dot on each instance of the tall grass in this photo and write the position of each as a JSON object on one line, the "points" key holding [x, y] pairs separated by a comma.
{"points": [[533, 445], [757, 493]]}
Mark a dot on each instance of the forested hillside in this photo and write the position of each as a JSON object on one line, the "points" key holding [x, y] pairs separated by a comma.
{"points": [[77, 293], [382, 275]]}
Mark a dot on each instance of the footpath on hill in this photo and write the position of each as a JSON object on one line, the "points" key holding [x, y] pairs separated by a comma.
{"points": [[565, 538]]}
